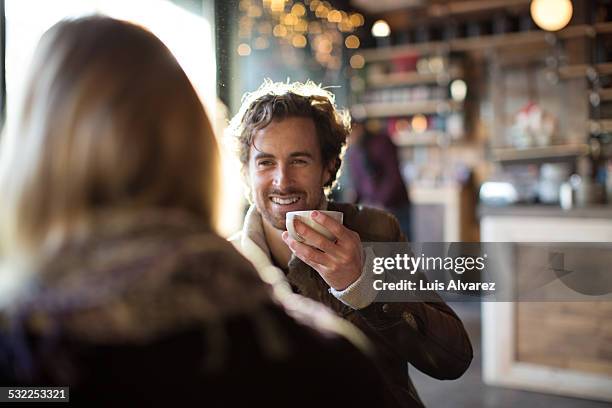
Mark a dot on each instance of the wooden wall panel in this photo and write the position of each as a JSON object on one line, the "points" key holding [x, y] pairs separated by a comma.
{"points": [[570, 335]]}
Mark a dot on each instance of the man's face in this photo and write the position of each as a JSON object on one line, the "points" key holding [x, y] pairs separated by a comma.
{"points": [[286, 172]]}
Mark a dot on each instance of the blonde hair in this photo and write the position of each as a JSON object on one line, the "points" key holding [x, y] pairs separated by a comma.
{"points": [[109, 122]]}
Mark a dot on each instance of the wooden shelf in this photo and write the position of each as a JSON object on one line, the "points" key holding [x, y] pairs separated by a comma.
{"points": [[427, 138], [510, 154], [582, 70], [481, 43], [605, 94], [574, 71], [604, 69], [601, 125], [603, 28], [389, 109], [411, 78]]}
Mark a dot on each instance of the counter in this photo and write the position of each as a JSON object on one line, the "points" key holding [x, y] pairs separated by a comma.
{"points": [[601, 211], [558, 347]]}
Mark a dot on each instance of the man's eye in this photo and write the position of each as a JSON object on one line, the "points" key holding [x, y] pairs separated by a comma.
{"points": [[265, 163], [299, 161]]}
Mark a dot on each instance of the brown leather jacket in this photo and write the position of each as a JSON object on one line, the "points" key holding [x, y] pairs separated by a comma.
{"points": [[429, 335]]}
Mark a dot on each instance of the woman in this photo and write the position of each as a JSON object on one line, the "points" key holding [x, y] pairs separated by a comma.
{"points": [[112, 281]]}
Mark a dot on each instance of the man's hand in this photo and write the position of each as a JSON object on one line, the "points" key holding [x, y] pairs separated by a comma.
{"points": [[339, 263]]}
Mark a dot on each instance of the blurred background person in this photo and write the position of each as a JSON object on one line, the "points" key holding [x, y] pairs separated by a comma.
{"points": [[112, 279], [375, 174]]}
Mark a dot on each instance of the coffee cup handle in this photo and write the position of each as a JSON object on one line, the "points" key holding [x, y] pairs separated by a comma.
{"points": [[292, 232]]}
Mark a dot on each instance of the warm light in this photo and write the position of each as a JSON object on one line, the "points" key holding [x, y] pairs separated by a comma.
{"points": [[244, 50], [298, 41], [419, 123], [254, 11], [290, 19], [357, 61], [301, 26], [345, 26], [314, 4], [352, 41], [298, 10], [277, 5], [551, 15], [322, 11], [261, 43], [458, 90], [334, 16], [381, 29], [279, 30], [357, 19]]}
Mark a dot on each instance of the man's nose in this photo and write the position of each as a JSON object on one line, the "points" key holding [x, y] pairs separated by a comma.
{"points": [[282, 177]]}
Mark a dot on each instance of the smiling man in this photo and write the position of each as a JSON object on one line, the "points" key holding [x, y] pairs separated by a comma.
{"points": [[290, 141]]}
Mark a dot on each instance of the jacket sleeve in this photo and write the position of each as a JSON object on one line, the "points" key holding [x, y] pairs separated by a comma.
{"points": [[428, 335]]}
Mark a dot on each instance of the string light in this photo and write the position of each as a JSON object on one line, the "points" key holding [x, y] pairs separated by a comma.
{"points": [[298, 24], [357, 61], [314, 4], [301, 26], [357, 19], [352, 42], [322, 11], [277, 5], [244, 50], [299, 41], [298, 10], [290, 19], [279, 30], [334, 16]]}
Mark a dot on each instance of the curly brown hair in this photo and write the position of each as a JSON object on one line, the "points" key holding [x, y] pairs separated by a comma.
{"points": [[280, 100]]}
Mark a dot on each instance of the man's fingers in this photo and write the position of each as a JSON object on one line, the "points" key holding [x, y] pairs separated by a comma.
{"points": [[314, 238], [305, 252], [336, 228]]}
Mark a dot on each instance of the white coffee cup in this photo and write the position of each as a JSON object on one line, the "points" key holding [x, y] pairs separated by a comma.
{"points": [[306, 218]]}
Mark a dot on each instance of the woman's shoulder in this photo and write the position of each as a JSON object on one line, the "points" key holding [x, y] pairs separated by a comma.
{"points": [[139, 281]]}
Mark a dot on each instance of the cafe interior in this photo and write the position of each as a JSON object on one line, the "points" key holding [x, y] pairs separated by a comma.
{"points": [[499, 113]]}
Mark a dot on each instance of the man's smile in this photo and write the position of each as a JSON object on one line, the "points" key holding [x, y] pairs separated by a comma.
{"points": [[285, 200]]}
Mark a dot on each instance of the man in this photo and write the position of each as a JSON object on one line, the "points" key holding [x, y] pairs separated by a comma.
{"points": [[290, 139]]}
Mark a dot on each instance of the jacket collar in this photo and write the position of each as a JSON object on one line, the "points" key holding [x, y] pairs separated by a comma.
{"points": [[253, 232], [253, 242]]}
